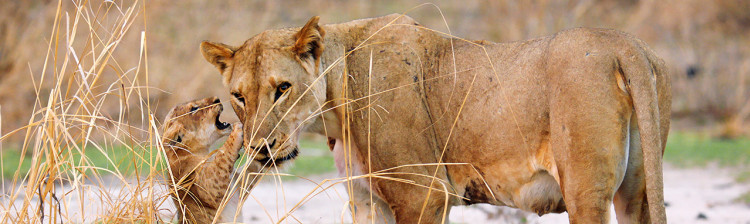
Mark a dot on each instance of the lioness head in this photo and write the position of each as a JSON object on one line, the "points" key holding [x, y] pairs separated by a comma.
{"points": [[195, 125], [273, 80]]}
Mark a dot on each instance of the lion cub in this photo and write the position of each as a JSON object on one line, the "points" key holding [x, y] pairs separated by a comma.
{"points": [[201, 181]]}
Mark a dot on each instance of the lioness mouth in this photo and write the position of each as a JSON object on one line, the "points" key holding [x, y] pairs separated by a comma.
{"points": [[263, 149], [280, 160]]}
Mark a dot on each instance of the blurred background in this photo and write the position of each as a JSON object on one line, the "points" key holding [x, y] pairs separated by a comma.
{"points": [[706, 44], [134, 60]]}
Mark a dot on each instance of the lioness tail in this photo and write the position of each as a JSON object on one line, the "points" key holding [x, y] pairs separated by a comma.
{"points": [[642, 73]]}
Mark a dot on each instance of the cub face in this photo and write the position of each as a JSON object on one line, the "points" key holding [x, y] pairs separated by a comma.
{"points": [[195, 125]]}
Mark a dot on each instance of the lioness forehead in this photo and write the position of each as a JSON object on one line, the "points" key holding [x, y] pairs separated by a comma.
{"points": [[270, 39], [259, 63], [259, 55]]}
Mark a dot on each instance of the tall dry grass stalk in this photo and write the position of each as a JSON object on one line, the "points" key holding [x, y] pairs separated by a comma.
{"points": [[67, 119]]}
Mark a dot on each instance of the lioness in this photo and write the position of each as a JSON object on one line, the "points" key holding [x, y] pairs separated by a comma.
{"points": [[569, 122], [200, 181]]}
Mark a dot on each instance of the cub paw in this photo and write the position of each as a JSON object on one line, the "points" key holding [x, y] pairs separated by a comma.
{"points": [[236, 137]]}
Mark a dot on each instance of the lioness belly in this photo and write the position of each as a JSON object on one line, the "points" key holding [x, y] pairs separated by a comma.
{"points": [[528, 185], [541, 195], [496, 118]]}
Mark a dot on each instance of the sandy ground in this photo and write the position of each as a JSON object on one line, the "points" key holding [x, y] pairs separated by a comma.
{"points": [[689, 193]]}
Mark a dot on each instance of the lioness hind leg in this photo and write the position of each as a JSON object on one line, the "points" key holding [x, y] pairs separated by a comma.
{"points": [[630, 200], [588, 136], [590, 165]]}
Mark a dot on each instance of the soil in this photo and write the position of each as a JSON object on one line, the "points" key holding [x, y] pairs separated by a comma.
{"points": [[694, 195]]}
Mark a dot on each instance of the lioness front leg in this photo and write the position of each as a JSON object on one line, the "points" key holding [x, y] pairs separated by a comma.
{"points": [[410, 202], [366, 207], [369, 209]]}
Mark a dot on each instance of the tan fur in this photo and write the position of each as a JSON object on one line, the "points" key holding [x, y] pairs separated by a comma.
{"points": [[200, 178], [566, 122]]}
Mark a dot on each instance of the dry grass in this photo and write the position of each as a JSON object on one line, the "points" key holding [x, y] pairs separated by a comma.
{"points": [[91, 95], [77, 80], [79, 75]]}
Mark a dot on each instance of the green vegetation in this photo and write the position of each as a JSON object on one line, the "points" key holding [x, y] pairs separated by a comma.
{"points": [[691, 149], [113, 159], [744, 198], [315, 159], [11, 159], [683, 149], [744, 176]]}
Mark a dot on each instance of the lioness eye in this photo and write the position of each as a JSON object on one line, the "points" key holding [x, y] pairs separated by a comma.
{"points": [[239, 97], [193, 109], [281, 89], [284, 87]]}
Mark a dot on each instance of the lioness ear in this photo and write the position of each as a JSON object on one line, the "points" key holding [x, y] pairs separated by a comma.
{"points": [[309, 41], [220, 55]]}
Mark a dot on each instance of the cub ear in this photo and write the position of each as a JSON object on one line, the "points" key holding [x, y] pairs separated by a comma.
{"points": [[220, 55], [172, 134], [309, 41]]}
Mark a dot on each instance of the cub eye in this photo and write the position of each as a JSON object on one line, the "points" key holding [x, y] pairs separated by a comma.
{"points": [[239, 97], [281, 89], [193, 109]]}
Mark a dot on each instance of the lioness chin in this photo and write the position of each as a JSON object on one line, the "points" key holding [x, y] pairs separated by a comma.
{"points": [[574, 122]]}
